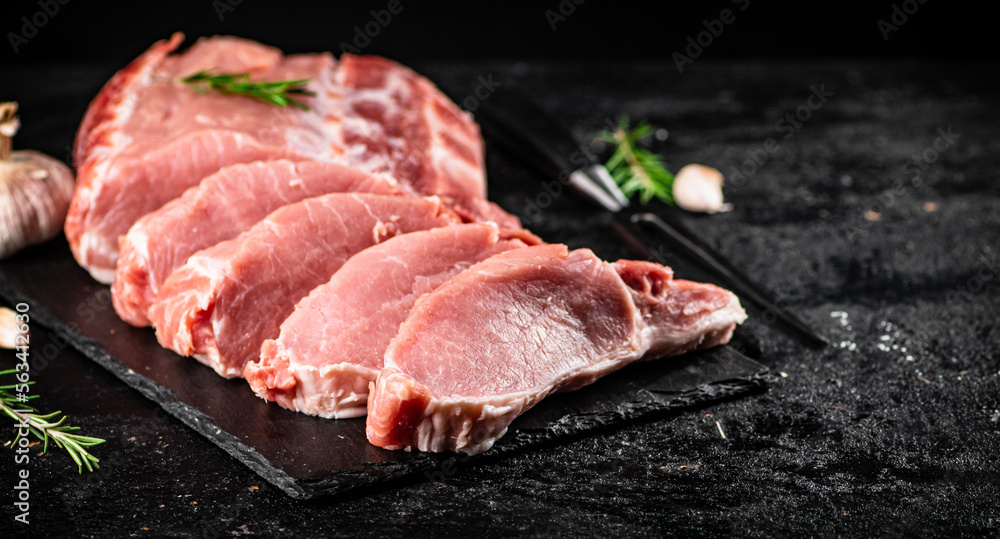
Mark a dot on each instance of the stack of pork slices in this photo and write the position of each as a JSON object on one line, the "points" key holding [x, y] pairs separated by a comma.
{"points": [[343, 258]]}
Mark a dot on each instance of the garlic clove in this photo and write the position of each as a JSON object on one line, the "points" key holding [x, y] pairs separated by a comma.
{"points": [[8, 328], [698, 188]]}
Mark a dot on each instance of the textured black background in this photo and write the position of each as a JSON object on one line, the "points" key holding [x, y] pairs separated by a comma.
{"points": [[891, 431], [117, 30]]}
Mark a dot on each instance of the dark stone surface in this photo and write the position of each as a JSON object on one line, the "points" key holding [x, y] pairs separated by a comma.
{"points": [[891, 431], [306, 456]]}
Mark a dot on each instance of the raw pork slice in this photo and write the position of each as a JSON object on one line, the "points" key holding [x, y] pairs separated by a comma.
{"points": [[331, 346], [495, 339], [219, 208], [227, 299], [147, 136]]}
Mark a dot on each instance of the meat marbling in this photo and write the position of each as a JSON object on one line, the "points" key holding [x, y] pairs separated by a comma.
{"points": [[331, 347], [227, 299], [147, 137], [495, 339], [219, 208]]}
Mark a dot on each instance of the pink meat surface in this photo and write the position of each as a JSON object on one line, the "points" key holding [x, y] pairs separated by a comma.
{"points": [[331, 347], [406, 127], [147, 137], [219, 208], [492, 341], [229, 298]]}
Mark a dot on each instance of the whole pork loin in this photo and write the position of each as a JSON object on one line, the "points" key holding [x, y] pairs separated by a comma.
{"points": [[147, 136]]}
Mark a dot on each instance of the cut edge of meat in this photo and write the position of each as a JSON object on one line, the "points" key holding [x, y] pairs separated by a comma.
{"points": [[95, 131], [131, 290], [334, 391], [338, 391], [187, 335]]}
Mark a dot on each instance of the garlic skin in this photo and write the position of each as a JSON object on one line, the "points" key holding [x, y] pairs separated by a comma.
{"points": [[8, 328], [35, 192], [698, 188]]}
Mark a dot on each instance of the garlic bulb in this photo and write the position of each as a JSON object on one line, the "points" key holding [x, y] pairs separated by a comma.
{"points": [[35, 191], [699, 188]]}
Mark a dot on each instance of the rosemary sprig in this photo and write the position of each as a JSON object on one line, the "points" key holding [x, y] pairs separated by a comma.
{"points": [[275, 92], [635, 169], [47, 426]]}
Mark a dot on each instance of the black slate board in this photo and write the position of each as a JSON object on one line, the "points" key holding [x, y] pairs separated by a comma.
{"points": [[293, 450]]}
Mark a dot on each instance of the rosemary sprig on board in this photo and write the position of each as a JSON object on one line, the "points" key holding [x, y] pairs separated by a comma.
{"points": [[637, 170], [274, 92], [46, 426]]}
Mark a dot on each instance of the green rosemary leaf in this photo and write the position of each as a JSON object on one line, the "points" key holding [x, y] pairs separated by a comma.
{"points": [[637, 171], [274, 92], [47, 426]]}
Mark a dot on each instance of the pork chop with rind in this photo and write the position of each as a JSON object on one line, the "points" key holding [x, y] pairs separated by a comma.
{"points": [[492, 341]]}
